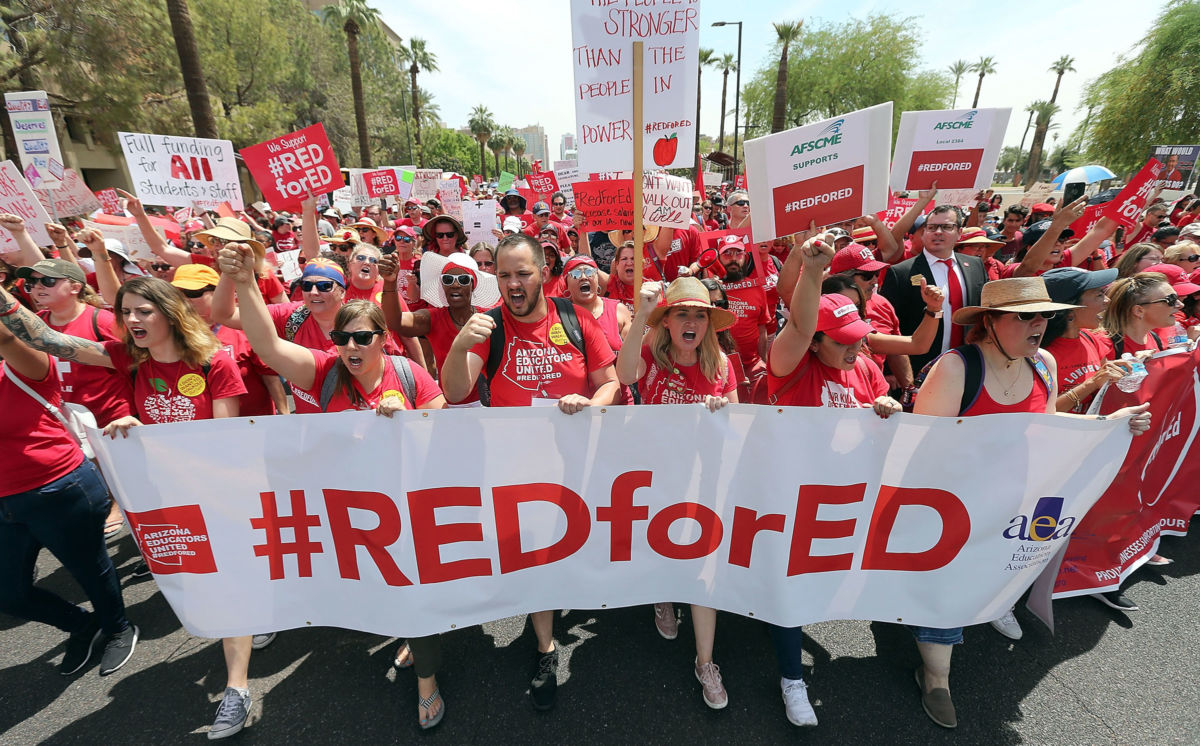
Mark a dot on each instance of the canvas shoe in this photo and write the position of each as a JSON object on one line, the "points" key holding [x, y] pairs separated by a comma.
{"points": [[709, 676], [1008, 625], [258, 642], [544, 686], [1115, 600], [231, 714], [665, 621], [795, 702]]}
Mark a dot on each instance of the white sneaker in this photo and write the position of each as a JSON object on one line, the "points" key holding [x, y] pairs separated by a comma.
{"points": [[795, 701], [1008, 625], [258, 642]]}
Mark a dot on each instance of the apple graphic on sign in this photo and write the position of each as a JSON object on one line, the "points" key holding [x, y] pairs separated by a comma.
{"points": [[665, 148]]}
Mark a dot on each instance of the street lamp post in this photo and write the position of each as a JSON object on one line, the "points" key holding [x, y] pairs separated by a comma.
{"points": [[737, 93]]}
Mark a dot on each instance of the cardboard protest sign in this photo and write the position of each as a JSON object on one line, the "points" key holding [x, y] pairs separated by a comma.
{"points": [[567, 173], [450, 195], [1039, 192], [602, 54], [543, 183], [289, 168], [956, 197], [1126, 209], [18, 198], [71, 197], [479, 220], [111, 201], [827, 172], [605, 205], [129, 235], [1178, 162], [37, 142], [666, 200], [382, 182], [426, 182], [172, 171], [957, 148]]}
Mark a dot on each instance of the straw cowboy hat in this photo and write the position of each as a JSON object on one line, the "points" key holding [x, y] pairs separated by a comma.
{"points": [[231, 229], [649, 233], [1012, 295], [977, 236], [688, 292], [370, 225]]}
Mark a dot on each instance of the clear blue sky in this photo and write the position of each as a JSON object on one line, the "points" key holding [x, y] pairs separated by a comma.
{"points": [[529, 80]]}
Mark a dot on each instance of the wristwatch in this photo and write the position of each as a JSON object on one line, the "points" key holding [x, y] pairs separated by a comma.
{"points": [[933, 314]]}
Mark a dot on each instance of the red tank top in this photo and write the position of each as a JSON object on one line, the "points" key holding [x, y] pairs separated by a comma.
{"points": [[1035, 402], [608, 323]]}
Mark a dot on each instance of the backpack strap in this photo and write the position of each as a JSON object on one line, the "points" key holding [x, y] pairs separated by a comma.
{"points": [[1157, 341], [792, 380], [570, 322], [408, 383], [96, 326], [328, 385], [972, 375], [1118, 343], [495, 343], [294, 321], [1041, 371]]}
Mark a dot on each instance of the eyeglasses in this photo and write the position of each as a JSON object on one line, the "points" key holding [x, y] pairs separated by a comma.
{"points": [[1170, 300], [450, 234], [365, 258], [559, 204], [321, 286], [452, 280], [160, 267], [487, 264], [867, 275], [581, 272], [194, 294], [341, 248], [942, 227], [361, 338], [1031, 315], [741, 203], [46, 282], [733, 252]]}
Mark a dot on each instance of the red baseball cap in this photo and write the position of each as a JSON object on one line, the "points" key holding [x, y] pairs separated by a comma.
{"points": [[1180, 282], [839, 319], [857, 257], [730, 242], [1042, 207]]}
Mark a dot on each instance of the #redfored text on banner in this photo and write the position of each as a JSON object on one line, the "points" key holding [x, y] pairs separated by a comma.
{"points": [[1126, 209], [792, 515], [290, 168]]}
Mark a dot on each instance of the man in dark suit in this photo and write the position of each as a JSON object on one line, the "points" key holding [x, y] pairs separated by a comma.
{"points": [[960, 275]]}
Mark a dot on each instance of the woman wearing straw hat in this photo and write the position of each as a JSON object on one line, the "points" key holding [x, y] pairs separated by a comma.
{"points": [[976, 242], [444, 235], [682, 364], [370, 231], [1015, 376]]}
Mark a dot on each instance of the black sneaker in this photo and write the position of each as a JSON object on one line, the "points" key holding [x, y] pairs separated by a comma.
{"points": [[231, 714], [1115, 600], [80, 646], [118, 649], [544, 686]]}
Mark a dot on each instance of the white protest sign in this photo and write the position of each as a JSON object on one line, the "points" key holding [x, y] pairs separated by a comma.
{"points": [[289, 264], [602, 35], [827, 172], [17, 197], [174, 171], [666, 200], [129, 235], [713, 179], [70, 197], [1039, 192], [957, 148], [33, 129], [567, 173], [450, 194], [425, 183], [956, 197], [479, 220]]}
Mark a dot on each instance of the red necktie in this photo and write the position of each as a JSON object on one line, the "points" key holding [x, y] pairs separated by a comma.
{"points": [[956, 302]]}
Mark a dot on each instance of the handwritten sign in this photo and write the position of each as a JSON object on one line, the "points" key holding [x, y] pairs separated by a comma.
{"points": [[37, 142], [111, 201], [1037, 193], [381, 183], [666, 200], [543, 183], [289, 168], [957, 148], [827, 172], [479, 220], [450, 194], [1127, 207], [18, 198], [70, 197], [602, 55], [964, 198], [172, 171], [289, 264], [130, 237], [426, 182], [605, 205]]}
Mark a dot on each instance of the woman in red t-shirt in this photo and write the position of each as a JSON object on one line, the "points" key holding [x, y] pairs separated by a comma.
{"points": [[682, 364], [1137, 306], [1083, 354], [1007, 329], [620, 281]]}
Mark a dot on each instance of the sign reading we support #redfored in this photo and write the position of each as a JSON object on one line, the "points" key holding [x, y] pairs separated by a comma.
{"points": [[1126, 209], [290, 168]]}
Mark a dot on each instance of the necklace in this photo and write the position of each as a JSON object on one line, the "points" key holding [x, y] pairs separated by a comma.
{"points": [[1011, 384]]}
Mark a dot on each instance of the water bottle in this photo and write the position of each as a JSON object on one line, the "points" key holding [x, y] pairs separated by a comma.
{"points": [[1133, 379], [1179, 336]]}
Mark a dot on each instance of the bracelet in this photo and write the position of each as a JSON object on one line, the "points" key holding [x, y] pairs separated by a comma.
{"points": [[61, 247], [15, 307], [389, 290], [1072, 396]]}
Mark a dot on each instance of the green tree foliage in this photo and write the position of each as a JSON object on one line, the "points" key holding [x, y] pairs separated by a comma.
{"points": [[1148, 99], [834, 68]]}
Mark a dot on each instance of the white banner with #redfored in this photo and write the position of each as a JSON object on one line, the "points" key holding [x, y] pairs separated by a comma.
{"points": [[790, 515]]}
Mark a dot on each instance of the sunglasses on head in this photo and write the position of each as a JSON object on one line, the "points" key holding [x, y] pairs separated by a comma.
{"points": [[365, 258], [741, 203], [321, 286], [451, 280], [194, 294], [46, 282], [581, 272], [361, 338], [1170, 300], [1031, 315], [450, 234], [160, 267]]}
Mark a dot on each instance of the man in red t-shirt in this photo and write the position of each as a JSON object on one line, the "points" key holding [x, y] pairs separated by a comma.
{"points": [[748, 301], [540, 361], [1155, 215]]}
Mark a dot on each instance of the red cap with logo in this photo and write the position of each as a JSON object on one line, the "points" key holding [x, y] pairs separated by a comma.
{"points": [[1180, 282], [857, 257], [838, 317]]}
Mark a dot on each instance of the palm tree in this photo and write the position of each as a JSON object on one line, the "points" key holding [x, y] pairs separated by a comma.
{"points": [[958, 69], [985, 66], [355, 18], [508, 136], [496, 145], [518, 149], [189, 64], [1032, 109], [1061, 66], [481, 125], [419, 58], [785, 34], [707, 58], [1044, 112], [724, 65]]}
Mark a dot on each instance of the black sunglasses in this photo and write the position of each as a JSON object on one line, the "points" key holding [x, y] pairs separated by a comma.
{"points": [[450, 234], [46, 282], [160, 267], [194, 294], [322, 286], [741, 203], [450, 280], [867, 275], [1170, 300], [361, 338], [720, 303], [1192, 258], [559, 204], [1031, 315]]}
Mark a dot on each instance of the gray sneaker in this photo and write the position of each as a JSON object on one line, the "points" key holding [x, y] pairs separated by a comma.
{"points": [[231, 714], [258, 642]]}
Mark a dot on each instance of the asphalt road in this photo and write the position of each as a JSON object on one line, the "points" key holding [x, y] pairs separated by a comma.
{"points": [[1106, 677]]}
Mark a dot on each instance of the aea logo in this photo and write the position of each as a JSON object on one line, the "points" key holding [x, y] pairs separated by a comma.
{"points": [[834, 128], [1046, 523]]}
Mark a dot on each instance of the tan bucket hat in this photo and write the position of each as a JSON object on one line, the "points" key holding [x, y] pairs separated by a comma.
{"points": [[649, 233], [690, 292], [1012, 295]]}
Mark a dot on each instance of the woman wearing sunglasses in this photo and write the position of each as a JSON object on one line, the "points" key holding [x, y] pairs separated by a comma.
{"points": [[1137, 258], [584, 287], [1004, 341], [706, 214], [363, 281], [1137, 307], [1184, 254], [444, 235]]}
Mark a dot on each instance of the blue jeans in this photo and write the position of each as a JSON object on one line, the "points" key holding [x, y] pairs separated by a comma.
{"points": [[950, 636], [789, 642], [67, 517]]}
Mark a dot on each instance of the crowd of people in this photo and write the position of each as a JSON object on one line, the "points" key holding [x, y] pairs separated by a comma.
{"points": [[952, 311]]}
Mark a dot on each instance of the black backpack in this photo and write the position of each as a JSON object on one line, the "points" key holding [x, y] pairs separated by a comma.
{"points": [[973, 373], [1118, 343]]}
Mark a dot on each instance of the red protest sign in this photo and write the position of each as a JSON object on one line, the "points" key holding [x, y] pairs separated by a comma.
{"points": [[1091, 216], [110, 200], [896, 208], [543, 183], [289, 168], [1127, 207], [605, 205], [739, 181], [382, 182], [829, 198]]}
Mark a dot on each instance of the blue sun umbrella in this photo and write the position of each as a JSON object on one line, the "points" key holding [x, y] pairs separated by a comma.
{"points": [[1083, 174]]}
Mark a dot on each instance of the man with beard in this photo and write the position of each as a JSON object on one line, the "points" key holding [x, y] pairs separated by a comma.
{"points": [[749, 302], [532, 348]]}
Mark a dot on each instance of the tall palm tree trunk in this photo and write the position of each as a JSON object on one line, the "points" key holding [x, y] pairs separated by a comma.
{"points": [[189, 64], [978, 88], [780, 109], [360, 106], [416, 103], [721, 136], [483, 159]]}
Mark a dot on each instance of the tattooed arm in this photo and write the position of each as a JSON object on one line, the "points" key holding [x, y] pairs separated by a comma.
{"points": [[28, 328]]}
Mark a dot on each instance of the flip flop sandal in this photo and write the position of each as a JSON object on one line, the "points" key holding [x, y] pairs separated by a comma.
{"points": [[113, 527], [401, 660], [426, 704]]}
